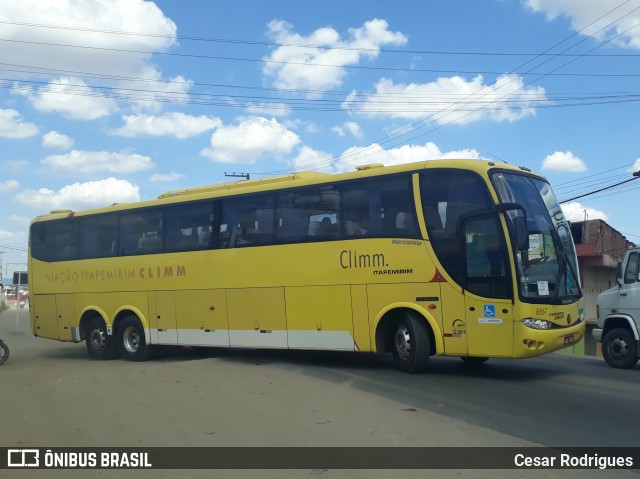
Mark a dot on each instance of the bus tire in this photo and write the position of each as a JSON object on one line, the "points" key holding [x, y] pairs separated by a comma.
{"points": [[99, 344], [411, 344], [132, 343], [620, 349], [474, 360]]}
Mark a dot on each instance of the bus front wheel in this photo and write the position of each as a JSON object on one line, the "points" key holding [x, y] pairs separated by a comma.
{"points": [[411, 344], [620, 349], [99, 344], [132, 343]]}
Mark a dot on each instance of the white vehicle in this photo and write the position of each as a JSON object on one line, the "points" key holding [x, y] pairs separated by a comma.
{"points": [[619, 315]]}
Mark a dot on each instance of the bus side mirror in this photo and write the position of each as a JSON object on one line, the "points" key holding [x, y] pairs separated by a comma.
{"points": [[522, 233], [619, 273]]}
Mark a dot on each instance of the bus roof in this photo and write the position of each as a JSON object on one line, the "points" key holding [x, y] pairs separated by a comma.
{"points": [[296, 179], [244, 184]]}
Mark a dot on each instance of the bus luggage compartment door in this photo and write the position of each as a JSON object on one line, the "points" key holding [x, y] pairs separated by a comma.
{"points": [[45, 316], [162, 317]]}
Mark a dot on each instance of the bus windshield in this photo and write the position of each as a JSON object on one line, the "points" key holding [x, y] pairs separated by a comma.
{"points": [[548, 270]]}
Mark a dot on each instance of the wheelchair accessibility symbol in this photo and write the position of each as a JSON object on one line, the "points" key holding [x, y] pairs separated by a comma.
{"points": [[489, 310]]}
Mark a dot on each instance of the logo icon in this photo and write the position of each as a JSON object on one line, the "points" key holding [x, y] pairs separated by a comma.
{"points": [[489, 310], [23, 457]]}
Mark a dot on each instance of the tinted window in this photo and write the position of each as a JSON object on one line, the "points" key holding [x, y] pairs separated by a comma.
{"points": [[54, 240], [140, 232], [246, 221], [98, 235], [308, 214], [379, 207], [188, 226], [448, 195]]}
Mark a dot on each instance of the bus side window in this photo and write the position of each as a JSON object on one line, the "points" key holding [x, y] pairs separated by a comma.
{"points": [[141, 232], [97, 235], [377, 207], [187, 227], [248, 220], [307, 214]]}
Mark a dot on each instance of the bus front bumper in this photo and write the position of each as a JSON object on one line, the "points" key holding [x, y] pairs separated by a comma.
{"points": [[535, 342]]}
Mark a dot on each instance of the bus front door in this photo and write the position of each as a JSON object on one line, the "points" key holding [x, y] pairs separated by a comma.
{"points": [[489, 326], [487, 291]]}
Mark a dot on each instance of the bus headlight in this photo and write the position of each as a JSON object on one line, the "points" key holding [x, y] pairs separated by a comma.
{"points": [[536, 323]]}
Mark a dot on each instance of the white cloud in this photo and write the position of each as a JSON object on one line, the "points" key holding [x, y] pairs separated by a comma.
{"points": [[12, 125], [9, 185], [157, 92], [449, 99], [167, 178], [273, 109], [53, 139], [636, 166], [293, 67], [80, 16], [311, 159], [582, 13], [71, 97], [95, 161], [170, 124], [348, 126], [575, 211], [88, 27], [374, 153], [249, 141], [564, 161], [91, 194]]}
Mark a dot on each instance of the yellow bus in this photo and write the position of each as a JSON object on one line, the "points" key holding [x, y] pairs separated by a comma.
{"points": [[459, 258]]}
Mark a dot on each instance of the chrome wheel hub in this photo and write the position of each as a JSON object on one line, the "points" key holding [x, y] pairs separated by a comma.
{"points": [[402, 343], [131, 339], [98, 340]]}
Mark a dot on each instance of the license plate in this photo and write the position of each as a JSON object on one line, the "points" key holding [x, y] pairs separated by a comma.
{"points": [[568, 339]]}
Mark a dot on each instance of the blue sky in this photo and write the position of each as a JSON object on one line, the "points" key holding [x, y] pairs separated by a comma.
{"points": [[107, 101]]}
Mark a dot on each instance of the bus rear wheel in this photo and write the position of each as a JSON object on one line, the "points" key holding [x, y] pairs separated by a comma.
{"points": [[132, 343], [99, 344], [620, 349], [411, 345]]}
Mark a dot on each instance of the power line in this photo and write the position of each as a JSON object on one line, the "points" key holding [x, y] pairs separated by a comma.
{"points": [[425, 122], [318, 65], [636, 175], [305, 45], [12, 248]]}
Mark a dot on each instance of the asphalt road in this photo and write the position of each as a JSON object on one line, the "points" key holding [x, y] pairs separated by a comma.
{"points": [[53, 395]]}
